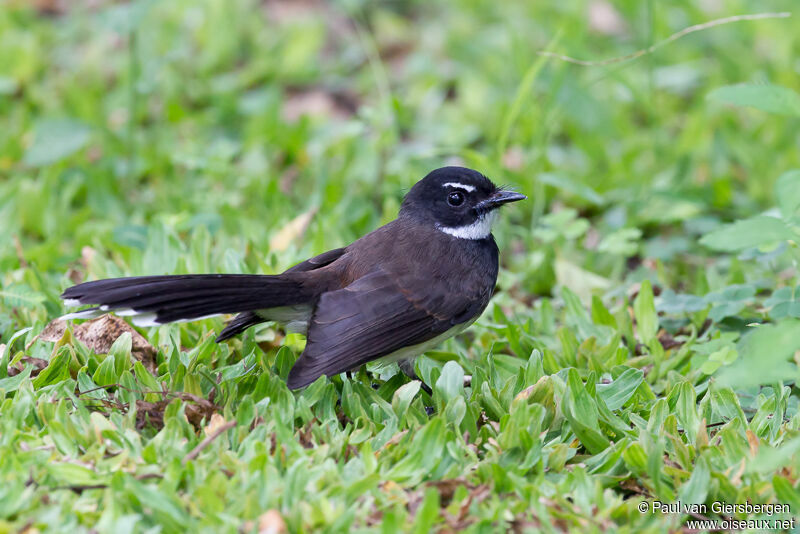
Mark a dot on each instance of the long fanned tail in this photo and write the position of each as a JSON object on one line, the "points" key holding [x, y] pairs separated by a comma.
{"points": [[153, 300]]}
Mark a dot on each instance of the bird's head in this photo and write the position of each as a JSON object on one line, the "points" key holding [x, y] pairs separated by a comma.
{"points": [[458, 201]]}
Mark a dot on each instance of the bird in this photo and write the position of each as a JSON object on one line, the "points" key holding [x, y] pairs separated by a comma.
{"points": [[391, 295]]}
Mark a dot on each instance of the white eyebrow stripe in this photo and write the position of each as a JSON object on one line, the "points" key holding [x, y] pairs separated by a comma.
{"points": [[468, 188]]}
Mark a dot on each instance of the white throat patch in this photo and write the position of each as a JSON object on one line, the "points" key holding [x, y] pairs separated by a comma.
{"points": [[480, 229]]}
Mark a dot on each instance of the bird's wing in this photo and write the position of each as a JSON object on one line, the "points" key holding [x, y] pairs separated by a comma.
{"points": [[375, 316], [318, 261]]}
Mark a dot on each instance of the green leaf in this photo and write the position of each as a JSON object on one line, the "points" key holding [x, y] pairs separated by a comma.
{"points": [[747, 233], [561, 224], [145, 378], [6, 348], [581, 413], [450, 383], [54, 140], [56, 371], [85, 384], [245, 412], [455, 410], [567, 185], [403, 397], [162, 252], [725, 402], [768, 459], [729, 301], [427, 513], [644, 310], [696, 489], [717, 359], [601, 315], [617, 393], [785, 492], [534, 369], [784, 302], [166, 506], [764, 356], [635, 457], [494, 409], [12, 383], [284, 360], [686, 409], [787, 192], [20, 296], [623, 242], [732, 293], [671, 302], [120, 353], [770, 98], [106, 374], [73, 474], [579, 318]]}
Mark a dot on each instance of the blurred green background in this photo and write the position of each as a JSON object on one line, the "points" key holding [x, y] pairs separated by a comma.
{"points": [[238, 116], [218, 136]]}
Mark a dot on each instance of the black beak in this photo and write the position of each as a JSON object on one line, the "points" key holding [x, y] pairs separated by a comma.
{"points": [[500, 197]]}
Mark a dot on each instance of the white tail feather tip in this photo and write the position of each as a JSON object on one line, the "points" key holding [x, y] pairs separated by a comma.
{"points": [[145, 320], [85, 314]]}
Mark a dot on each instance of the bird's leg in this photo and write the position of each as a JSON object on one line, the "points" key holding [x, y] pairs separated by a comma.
{"points": [[407, 366]]}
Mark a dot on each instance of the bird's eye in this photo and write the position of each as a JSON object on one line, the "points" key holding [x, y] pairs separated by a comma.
{"points": [[456, 198]]}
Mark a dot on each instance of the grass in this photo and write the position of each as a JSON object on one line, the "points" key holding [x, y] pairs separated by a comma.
{"points": [[642, 345]]}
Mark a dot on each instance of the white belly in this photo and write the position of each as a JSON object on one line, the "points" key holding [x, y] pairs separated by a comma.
{"points": [[293, 318], [412, 351]]}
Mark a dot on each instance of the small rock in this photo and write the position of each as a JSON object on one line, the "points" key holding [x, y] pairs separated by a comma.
{"points": [[100, 333]]}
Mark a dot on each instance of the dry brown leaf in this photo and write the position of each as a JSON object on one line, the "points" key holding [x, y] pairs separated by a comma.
{"points": [[75, 276], [752, 439], [293, 231], [604, 18], [736, 479], [197, 410], [216, 422], [476, 494], [702, 435], [318, 102], [88, 254], [314, 103], [394, 440], [271, 522], [447, 488], [526, 393], [20, 252], [514, 159], [100, 333], [38, 366], [288, 178]]}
